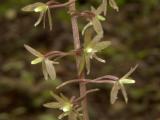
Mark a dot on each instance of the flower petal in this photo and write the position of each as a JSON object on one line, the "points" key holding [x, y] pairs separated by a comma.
{"points": [[124, 92], [113, 4], [39, 19], [33, 51], [50, 69], [44, 71], [114, 92], [32, 7], [101, 45], [50, 19], [37, 60], [52, 105], [87, 60]]}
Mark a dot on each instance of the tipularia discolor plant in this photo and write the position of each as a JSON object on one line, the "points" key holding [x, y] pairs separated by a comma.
{"points": [[75, 108]]}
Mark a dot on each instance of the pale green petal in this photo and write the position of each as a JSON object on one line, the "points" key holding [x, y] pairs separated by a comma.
{"points": [[124, 92], [129, 73], [87, 59], [33, 51], [63, 115], [86, 27], [81, 64], [114, 92], [39, 5], [88, 36], [97, 26], [101, 45], [102, 8], [127, 81], [59, 99], [53, 105], [98, 59], [113, 4], [50, 19], [50, 69], [37, 60], [44, 71], [101, 18], [39, 19]]}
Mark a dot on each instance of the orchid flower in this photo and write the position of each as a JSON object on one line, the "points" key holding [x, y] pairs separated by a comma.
{"points": [[66, 106], [47, 65], [41, 8], [118, 85], [95, 21], [91, 47]]}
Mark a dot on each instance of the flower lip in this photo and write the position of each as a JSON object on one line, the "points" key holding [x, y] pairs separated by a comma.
{"points": [[40, 8], [67, 107]]}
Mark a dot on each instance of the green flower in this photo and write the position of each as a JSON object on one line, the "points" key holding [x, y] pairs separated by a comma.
{"points": [[66, 106], [118, 85], [91, 47], [41, 8], [47, 65]]}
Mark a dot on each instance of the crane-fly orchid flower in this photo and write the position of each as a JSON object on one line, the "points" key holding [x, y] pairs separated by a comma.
{"points": [[47, 65], [41, 8], [66, 106], [91, 47], [118, 85]]}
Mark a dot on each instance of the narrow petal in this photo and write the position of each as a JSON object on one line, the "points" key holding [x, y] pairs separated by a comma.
{"points": [[44, 71], [81, 64], [59, 99], [33, 51], [50, 19], [39, 19], [50, 69], [102, 8], [86, 27], [101, 45], [88, 36], [97, 26], [127, 81], [113, 4], [44, 20], [87, 59], [37, 60], [124, 92], [114, 93], [53, 105], [32, 7], [63, 115], [129, 73], [99, 59]]}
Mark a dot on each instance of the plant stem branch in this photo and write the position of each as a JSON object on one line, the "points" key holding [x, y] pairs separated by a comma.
{"points": [[77, 45]]}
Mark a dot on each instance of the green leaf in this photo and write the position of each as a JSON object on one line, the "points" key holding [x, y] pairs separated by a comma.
{"points": [[50, 69], [33, 51]]}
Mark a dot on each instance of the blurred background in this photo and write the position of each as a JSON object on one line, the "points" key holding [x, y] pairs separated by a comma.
{"points": [[135, 34]]}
